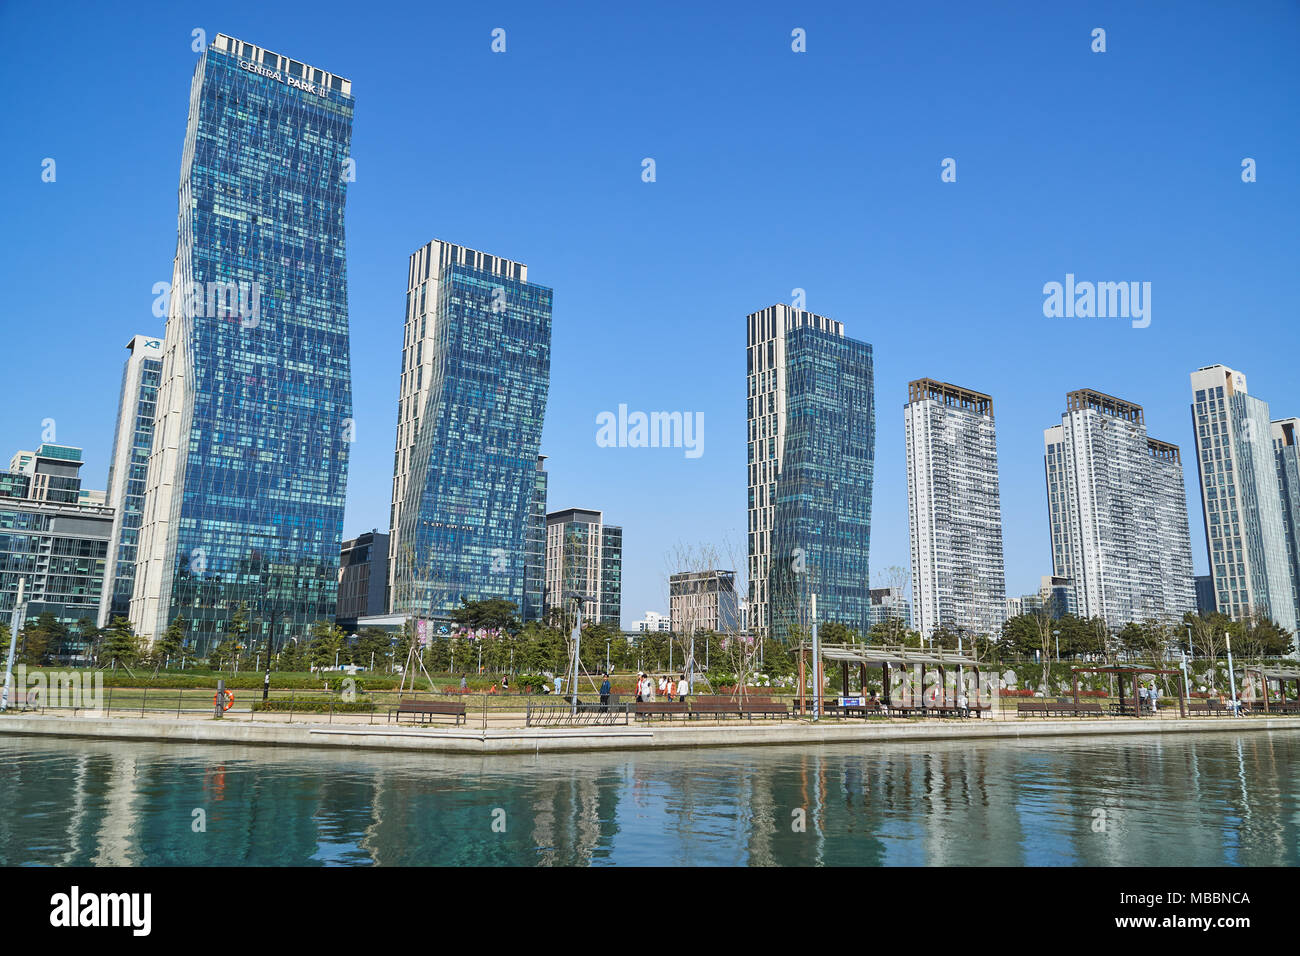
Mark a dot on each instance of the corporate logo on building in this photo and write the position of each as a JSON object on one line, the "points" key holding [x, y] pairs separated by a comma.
{"points": [[277, 75]]}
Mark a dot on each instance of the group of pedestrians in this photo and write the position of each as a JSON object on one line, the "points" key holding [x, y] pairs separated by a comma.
{"points": [[649, 689], [1148, 698]]}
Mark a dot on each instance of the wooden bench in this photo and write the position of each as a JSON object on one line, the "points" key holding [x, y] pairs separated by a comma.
{"points": [[426, 710], [1031, 707], [660, 707], [749, 707]]}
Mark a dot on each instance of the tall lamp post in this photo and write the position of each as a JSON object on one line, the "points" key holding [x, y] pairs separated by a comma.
{"points": [[1232, 678], [579, 599], [270, 643], [15, 620]]}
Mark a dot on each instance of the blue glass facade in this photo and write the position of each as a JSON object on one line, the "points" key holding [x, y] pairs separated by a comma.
{"points": [[468, 525], [822, 529], [264, 399]]}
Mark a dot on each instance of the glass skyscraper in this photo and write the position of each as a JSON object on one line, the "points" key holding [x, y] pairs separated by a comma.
{"points": [[244, 499], [812, 423], [476, 365], [128, 469]]}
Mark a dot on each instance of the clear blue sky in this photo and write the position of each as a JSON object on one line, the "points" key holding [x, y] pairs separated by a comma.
{"points": [[776, 170]]}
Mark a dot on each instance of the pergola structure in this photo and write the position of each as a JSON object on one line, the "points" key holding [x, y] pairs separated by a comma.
{"points": [[1119, 672], [1283, 676], [872, 655]]}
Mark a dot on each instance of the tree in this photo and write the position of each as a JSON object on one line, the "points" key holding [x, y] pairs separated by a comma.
{"points": [[493, 614], [833, 632], [325, 645], [120, 646], [169, 643], [1020, 635]]}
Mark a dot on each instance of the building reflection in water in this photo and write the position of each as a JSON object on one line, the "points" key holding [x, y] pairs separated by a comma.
{"points": [[1204, 799]]}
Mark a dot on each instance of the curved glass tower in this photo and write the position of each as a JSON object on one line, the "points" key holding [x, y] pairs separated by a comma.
{"points": [[244, 500], [468, 483]]}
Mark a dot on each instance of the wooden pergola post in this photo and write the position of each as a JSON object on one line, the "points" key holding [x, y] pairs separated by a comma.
{"points": [[1119, 677], [1075, 674], [884, 670], [1263, 679], [844, 677], [922, 688]]}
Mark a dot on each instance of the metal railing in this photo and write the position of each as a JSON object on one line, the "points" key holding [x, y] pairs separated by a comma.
{"points": [[561, 714]]}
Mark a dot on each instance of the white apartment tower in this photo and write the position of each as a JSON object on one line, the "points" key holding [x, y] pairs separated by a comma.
{"points": [[1118, 513], [954, 510], [1245, 518]]}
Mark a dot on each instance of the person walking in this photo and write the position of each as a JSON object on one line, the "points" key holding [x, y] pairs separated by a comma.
{"points": [[640, 687], [464, 684], [683, 688], [668, 689], [604, 693], [1142, 698]]}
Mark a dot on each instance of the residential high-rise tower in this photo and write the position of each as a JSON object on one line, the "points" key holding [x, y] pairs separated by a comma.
{"points": [[954, 509], [1118, 513], [1245, 517]]}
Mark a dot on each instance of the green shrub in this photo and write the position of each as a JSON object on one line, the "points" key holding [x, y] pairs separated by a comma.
{"points": [[316, 705]]}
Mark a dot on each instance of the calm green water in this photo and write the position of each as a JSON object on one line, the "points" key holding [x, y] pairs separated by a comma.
{"points": [[1196, 799]]}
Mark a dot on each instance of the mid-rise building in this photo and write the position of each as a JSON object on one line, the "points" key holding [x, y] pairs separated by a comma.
{"points": [[890, 604], [248, 470], [363, 578], [1286, 452], [59, 546], [128, 470], [1245, 519], [1117, 513], [585, 556], [701, 601], [812, 440], [954, 508], [467, 476], [653, 622]]}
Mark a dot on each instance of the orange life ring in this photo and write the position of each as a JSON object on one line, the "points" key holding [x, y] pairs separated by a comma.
{"points": [[230, 700]]}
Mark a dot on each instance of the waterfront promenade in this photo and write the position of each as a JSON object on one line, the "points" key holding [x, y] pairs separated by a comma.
{"points": [[504, 733]]}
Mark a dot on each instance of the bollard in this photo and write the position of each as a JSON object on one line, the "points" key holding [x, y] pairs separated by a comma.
{"points": [[221, 692]]}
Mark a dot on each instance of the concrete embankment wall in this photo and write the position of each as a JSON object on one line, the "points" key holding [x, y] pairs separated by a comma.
{"points": [[648, 737]]}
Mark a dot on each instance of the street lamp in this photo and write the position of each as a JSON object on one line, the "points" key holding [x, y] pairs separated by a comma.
{"points": [[1232, 678], [607, 643], [1057, 635]]}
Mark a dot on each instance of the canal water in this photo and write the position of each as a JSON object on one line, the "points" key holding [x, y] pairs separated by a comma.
{"points": [[1186, 799]]}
